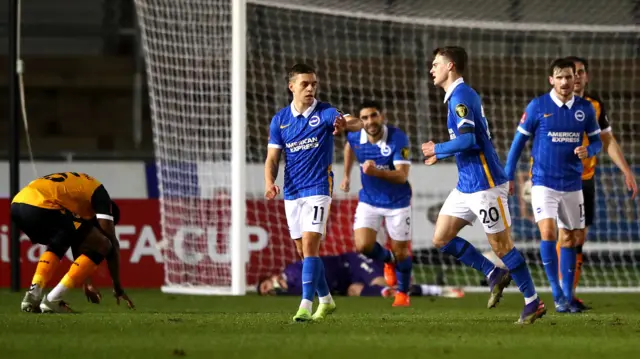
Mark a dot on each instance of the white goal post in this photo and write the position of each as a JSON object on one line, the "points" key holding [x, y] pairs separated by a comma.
{"points": [[216, 74]]}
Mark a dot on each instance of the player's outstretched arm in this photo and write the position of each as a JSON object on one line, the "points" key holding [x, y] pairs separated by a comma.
{"points": [[612, 148], [348, 166], [447, 149], [271, 190]]}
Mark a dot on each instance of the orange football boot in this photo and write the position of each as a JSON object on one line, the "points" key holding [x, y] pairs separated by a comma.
{"points": [[390, 274], [401, 300]]}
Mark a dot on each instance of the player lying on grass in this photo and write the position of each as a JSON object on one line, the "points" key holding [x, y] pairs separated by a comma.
{"points": [[557, 121], [62, 211], [383, 154], [304, 131], [482, 188], [349, 274]]}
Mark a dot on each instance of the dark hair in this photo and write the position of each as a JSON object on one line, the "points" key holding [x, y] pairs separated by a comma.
{"points": [[370, 104], [581, 60], [455, 54], [300, 69], [562, 63]]}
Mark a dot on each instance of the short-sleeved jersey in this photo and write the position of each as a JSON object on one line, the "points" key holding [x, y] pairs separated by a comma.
{"points": [[336, 271], [76, 192], [391, 150], [589, 164], [307, 142], [479, 168], [557, 130]]}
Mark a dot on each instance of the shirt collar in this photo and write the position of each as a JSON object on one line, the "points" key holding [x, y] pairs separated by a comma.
{"points": [[557, 101], [381, 142], [306, 113], [452, 87]]}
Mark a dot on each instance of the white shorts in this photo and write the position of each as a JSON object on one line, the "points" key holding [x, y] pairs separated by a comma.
{"points": [[489, 205], [397, 221], [307, 214], [566, 207]]}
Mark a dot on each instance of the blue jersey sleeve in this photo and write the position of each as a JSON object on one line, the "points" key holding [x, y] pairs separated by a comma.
{"points": [[593, 132], [529, 120], [592, 122], [275, 137], [402, 155], [465, 121]]}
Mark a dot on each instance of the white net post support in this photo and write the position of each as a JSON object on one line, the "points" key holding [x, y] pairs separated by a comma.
{"points": [[239, 236]]}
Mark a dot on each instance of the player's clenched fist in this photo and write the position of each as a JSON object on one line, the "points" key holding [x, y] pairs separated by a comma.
{"points": [[429, 149], [582, 152], [369, 167], [271, 191], [345, 185]]}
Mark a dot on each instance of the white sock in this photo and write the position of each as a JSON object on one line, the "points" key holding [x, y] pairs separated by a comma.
{"points": [[57, 292], [36, 291], [530, 299], [427, 290], [327, 299], [306, 304]]}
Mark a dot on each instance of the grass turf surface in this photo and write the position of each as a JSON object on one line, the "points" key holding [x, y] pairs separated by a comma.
{"points": [[169, 326]]}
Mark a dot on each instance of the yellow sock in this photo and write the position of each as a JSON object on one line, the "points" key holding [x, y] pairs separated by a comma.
{"points": [[80, 270], [44, 271]]}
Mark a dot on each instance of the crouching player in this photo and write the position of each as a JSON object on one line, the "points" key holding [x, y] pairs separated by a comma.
{"points": [[351, 274], [62, 211], [383, 152]]}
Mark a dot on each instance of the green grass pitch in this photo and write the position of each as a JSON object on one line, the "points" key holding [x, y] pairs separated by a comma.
{"points": [[170, 326]]}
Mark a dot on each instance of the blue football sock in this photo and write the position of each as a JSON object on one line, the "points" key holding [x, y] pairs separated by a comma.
{"points": [[379, 253], [403, 273], [321, 279], [568, 268], [549, 258], [309, 277], [466, 253], [519, 272]]}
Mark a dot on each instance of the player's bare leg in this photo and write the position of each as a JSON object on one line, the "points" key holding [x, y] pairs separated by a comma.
{"points": [[447, 241], [502, 245], [403, 264]]}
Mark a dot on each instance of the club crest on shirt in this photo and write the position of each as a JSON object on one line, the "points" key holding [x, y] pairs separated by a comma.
{"points": [[314, 121], [462, 111], [385, 150], [579, 115], [405, 153]]}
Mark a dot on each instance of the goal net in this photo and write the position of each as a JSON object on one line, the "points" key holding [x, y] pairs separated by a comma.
{"points": [[374, 50]]}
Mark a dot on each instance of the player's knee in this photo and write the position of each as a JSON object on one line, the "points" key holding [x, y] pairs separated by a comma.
{"points": [[311, 244], [441, 239], [548, 233]]}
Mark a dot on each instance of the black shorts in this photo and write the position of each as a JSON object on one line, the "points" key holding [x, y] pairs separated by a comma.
{"points": [[589, 194], [50, 227]]}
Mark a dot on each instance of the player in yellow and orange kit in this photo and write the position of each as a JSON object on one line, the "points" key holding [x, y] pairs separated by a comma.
{"points": [[62, 211], [610, 146]]}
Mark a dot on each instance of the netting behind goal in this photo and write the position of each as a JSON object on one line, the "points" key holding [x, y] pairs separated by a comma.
{"points": [[374, 50]]}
